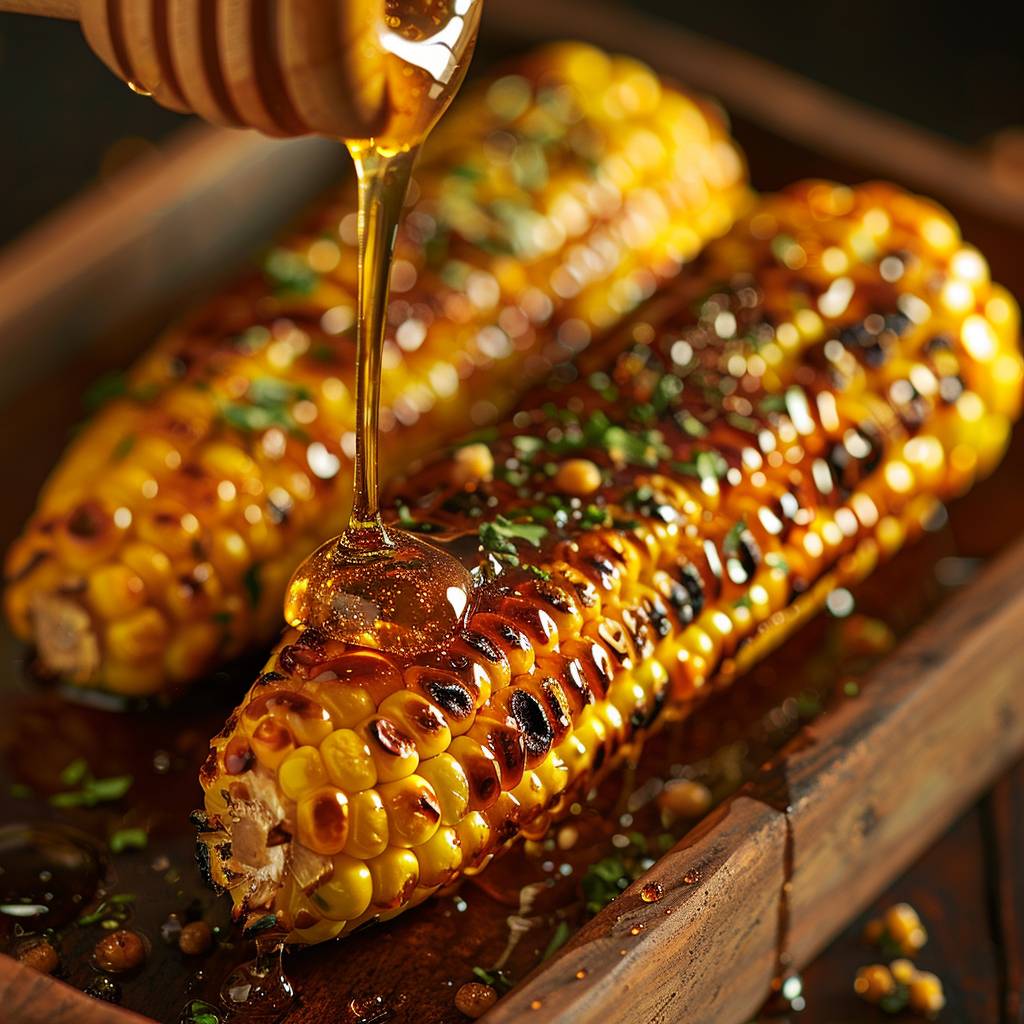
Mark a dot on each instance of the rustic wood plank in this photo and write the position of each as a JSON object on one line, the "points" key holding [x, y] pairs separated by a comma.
{"points": [[28, 997], [869, 786]]}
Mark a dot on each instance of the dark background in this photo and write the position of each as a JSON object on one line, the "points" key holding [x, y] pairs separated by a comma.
{"points": [[957, 68]]}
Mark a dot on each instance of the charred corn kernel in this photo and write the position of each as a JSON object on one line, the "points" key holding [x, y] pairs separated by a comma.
{"points": [[272, 742], [191, 461], [346, 894], [420, 720], [367, 825], [301, 772], [412, 809], [718, 504], [451, 787], [395, 873], [873, 983], [346, 756], [393, 751], [322, 819]]}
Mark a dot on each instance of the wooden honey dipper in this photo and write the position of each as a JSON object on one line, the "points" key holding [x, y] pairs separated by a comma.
{"points": [[349, 69]]}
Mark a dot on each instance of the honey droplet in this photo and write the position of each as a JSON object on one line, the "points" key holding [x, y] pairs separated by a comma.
{"points": [[692, 877], [138, 89], [536, 1004], [636, 929], [652, 892], [581, 974], [391, 591]]}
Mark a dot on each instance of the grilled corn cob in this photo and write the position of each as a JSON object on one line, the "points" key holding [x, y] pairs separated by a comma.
{"points": [[771, 426], [549, 204]]}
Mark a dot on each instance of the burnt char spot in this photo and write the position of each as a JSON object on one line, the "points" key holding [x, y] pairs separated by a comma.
{"points": [[484, 780], [428, 807], [330, 818], [576, 685], [538, 735], [208, 770], [616, 641], [270, 677], [599, 670], [505, 828], [449, 695], [484, 646], [229, 725], [289, 657], [557, 702], [238, 756], [285, 702], [586, 592], [515, 638], [691, 580], [205, 867], [509, 749], [390, 738], [657, 614], [427, 719], [536, 623], [312, 638], [604, 570], [554, 597], [272, 734], [86, 521]]}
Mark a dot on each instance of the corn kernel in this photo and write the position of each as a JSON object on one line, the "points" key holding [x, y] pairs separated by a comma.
{"points": [[367, 825], [395, 874], [346, 756], [346, 894], [301, 772], [322, 818]]}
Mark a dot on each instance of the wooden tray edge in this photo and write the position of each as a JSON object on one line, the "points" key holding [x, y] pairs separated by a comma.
{"points": [[871, 785]]}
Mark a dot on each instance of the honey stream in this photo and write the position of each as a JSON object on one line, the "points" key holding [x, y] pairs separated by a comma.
{"points": [[376, 585]]}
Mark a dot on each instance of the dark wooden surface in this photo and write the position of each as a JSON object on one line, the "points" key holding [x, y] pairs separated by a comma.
{"points": [[970, 892], [417, 962]]}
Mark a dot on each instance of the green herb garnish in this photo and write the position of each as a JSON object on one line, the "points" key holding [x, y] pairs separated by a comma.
{"points": [[558, 939], [92, 791], [499, 535], [497, 979], [128, 839]]}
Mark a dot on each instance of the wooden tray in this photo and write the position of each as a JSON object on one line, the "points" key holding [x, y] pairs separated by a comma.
{"points": [[868, 784]]}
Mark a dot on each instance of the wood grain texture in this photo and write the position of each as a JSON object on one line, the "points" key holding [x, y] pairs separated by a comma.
{"points": [[869, 786], [69, 10], [28, 997]]}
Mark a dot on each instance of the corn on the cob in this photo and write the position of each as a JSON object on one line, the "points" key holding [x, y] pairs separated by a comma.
{"points": [[773, 424], [548, 204]]}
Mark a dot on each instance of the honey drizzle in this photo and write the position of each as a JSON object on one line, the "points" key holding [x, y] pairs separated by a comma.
{"points": [[376, 585]]}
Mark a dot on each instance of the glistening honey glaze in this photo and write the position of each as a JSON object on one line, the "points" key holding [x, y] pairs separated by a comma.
{"points": [[376, 585]]}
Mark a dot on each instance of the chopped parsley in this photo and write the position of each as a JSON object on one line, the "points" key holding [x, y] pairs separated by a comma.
{"points": [[128, 839], [91, 791], [498, 537], [497, 979]]}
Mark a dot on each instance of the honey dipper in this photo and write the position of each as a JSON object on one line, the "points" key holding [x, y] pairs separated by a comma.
{"points": [[285, 67]]}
